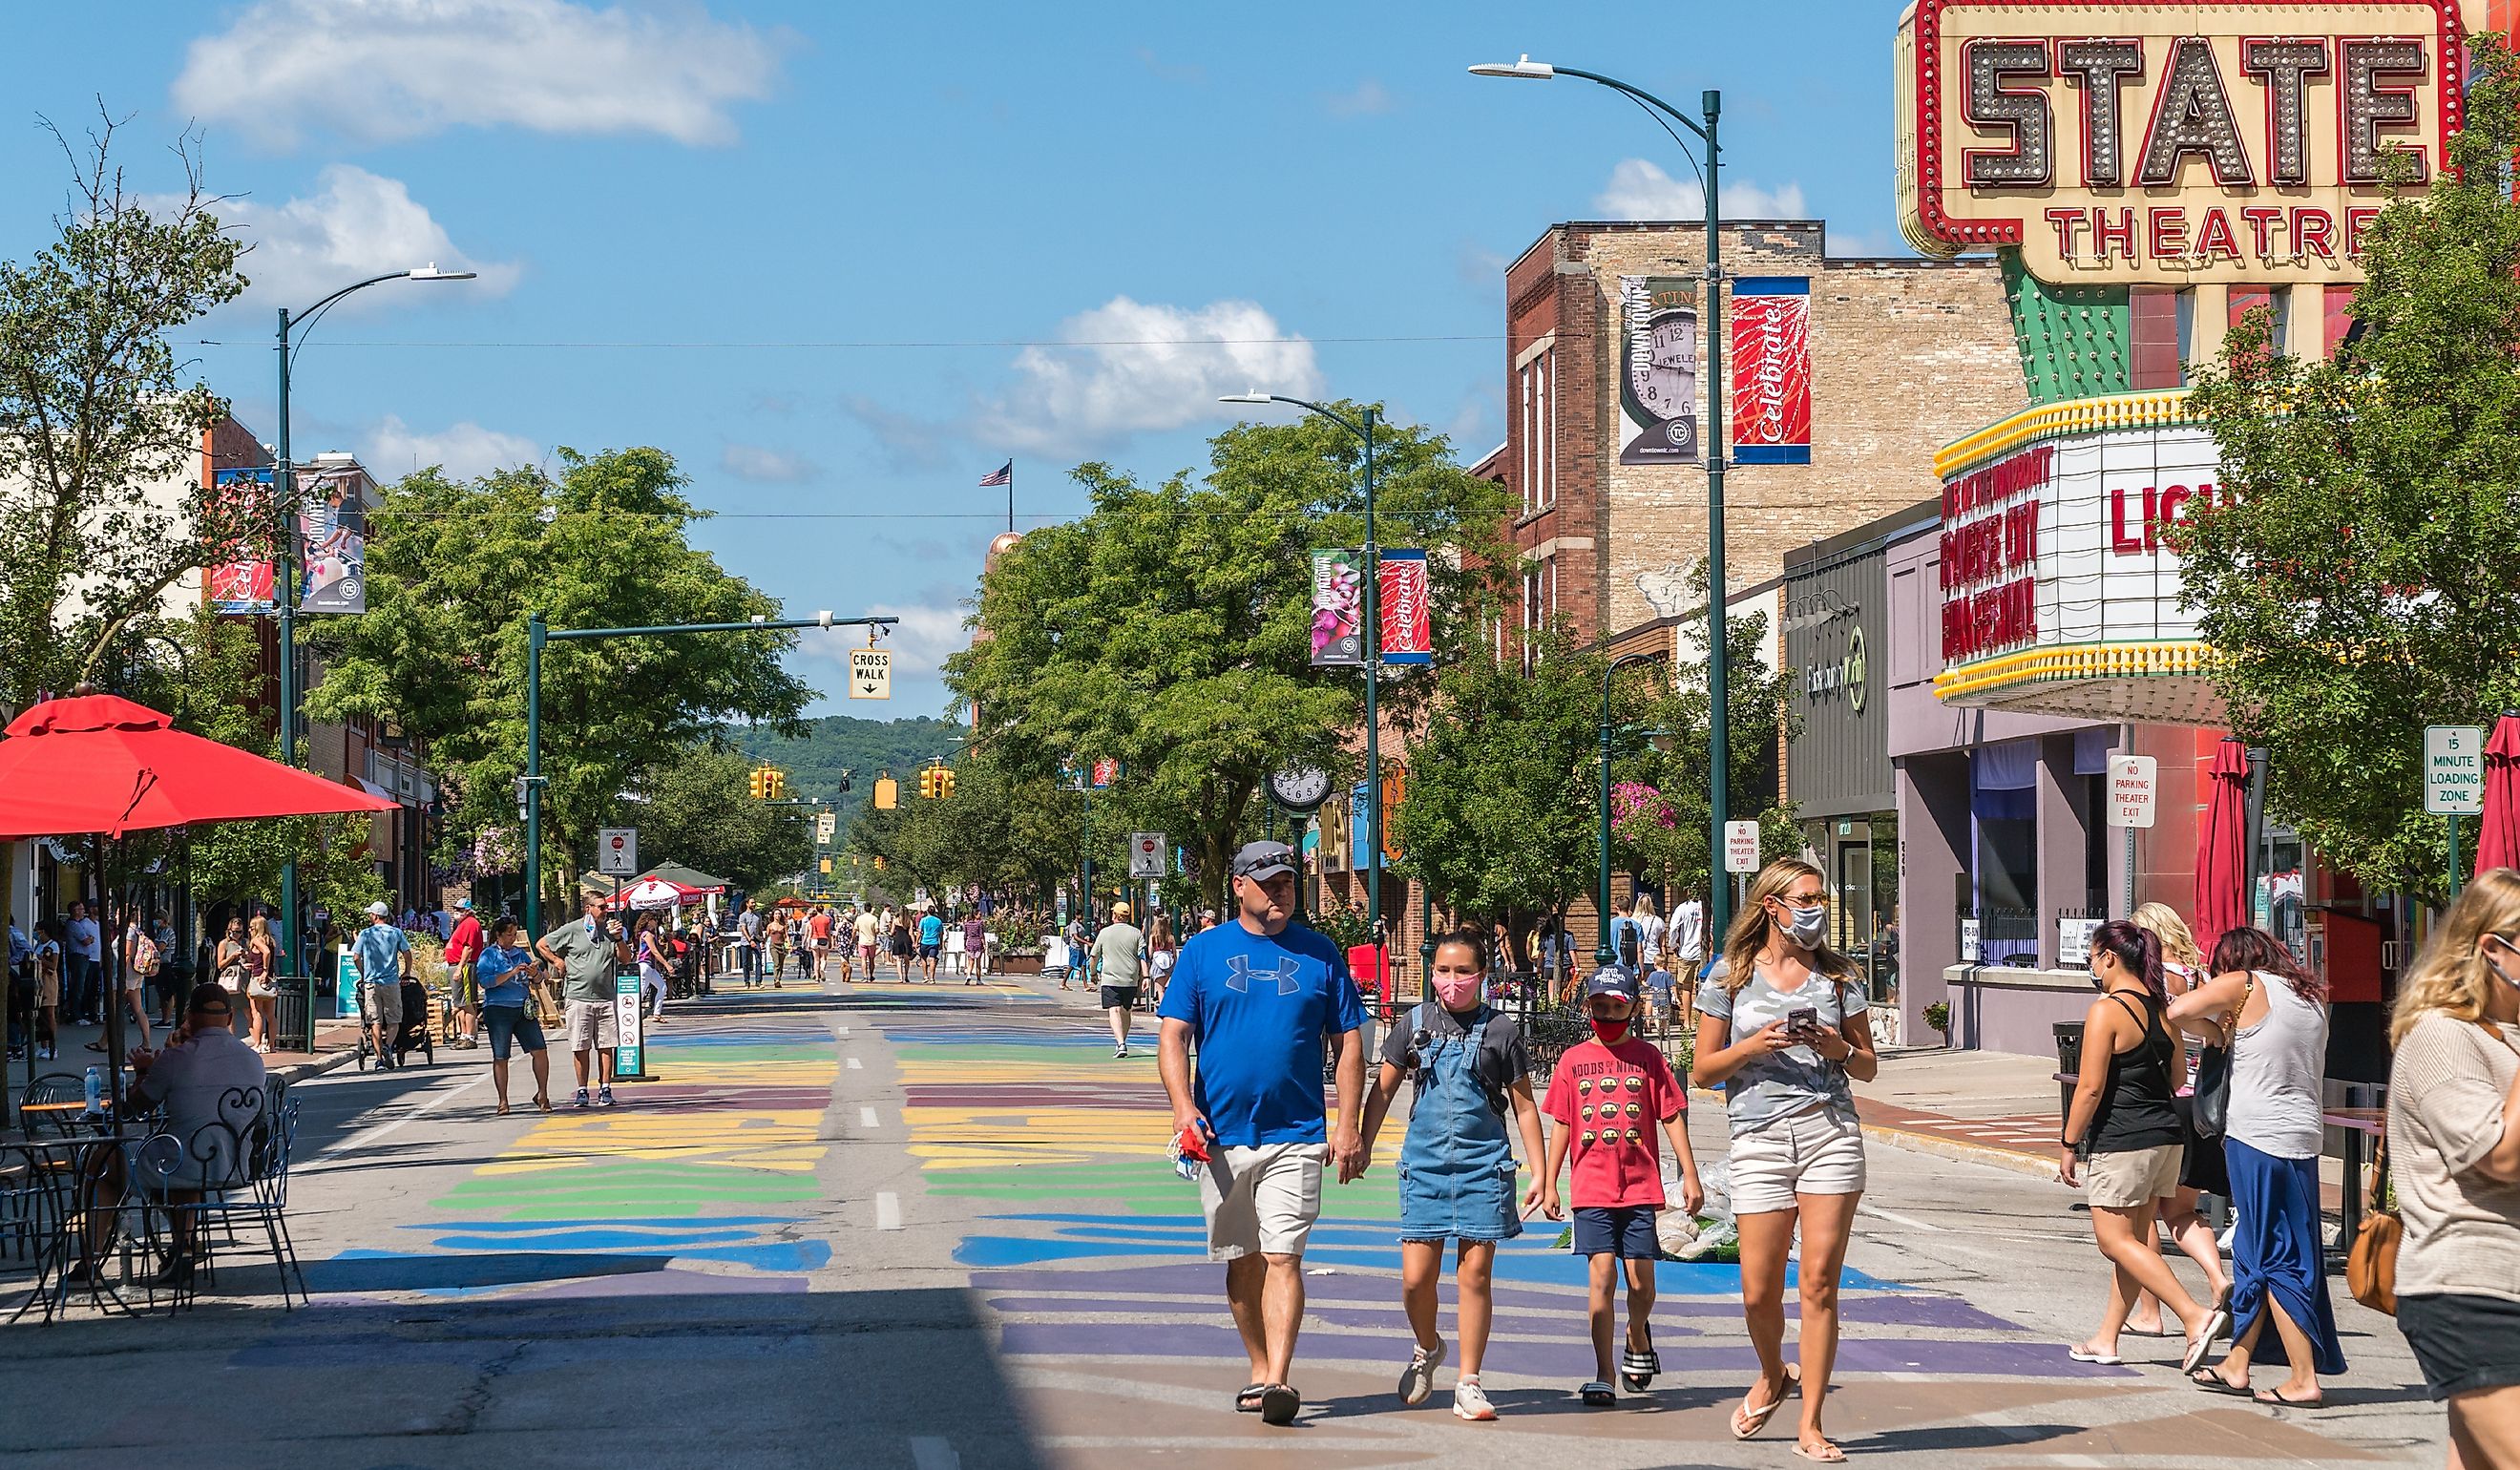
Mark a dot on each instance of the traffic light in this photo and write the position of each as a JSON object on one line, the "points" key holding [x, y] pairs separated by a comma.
{"points": [[945, 780], [758, 782], [827, 866], [878, 864], [778, 783], [888, 794], [928, 783]]}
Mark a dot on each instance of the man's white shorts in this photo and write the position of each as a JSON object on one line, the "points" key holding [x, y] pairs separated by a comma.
{"points": [[1261, 1199], [590, 1026], [1811, 1152], [381, 1000]]}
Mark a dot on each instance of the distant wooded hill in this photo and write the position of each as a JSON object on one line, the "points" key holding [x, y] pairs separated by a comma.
{"points": [[839, 742]]}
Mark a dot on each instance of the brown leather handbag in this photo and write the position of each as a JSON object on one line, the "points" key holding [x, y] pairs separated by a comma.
{"points": [[2372, 1267]]}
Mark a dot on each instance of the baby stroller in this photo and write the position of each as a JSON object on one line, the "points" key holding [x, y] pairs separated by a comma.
{"points": [[413, 1034]]}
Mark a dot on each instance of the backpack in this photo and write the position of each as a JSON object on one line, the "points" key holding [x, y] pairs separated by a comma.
{"points": [[145, 956]]}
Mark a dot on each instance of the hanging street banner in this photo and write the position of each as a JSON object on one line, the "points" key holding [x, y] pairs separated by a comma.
{"points": [[2116, 143], [332, 532], [1407, 621], [1657, 370], [242, 585], [1771, 369], [1338, 610], [1105, 771]]}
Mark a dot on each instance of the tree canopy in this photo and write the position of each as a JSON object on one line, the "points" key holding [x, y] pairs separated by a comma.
{"points": [[454, 568], [2359, 578], [1169, 628]]}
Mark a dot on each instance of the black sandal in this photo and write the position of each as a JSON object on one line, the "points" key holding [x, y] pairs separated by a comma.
{"points": [[1598, 1395], [1279, 1405], [1637, 1367], [2211, 1381], [1247, 1402]]}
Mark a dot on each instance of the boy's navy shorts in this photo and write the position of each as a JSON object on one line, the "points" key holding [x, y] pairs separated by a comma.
{"points": [[1626, 1231]]}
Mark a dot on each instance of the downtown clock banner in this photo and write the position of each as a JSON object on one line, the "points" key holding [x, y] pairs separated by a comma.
{"points": [[1658, 347]]}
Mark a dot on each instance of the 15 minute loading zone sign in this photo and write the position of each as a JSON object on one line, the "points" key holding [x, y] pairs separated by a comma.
{"points": [[869, 673]]}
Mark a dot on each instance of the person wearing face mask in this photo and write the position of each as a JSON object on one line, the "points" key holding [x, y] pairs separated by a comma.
{"points": [[2125, 1137], [1786, 1027], [1470, 1067], [2454, 1159], [1607, 1095]]}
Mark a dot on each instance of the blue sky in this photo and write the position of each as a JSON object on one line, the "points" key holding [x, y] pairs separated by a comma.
{"points": [[844, 261]]}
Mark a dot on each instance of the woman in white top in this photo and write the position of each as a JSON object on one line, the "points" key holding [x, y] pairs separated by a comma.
{"points": [[2200, 1170], [2455, 1162], [2275, 1014]]}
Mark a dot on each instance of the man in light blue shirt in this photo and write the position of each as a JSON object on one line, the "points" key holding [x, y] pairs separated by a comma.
{"points": [[384, 957]]}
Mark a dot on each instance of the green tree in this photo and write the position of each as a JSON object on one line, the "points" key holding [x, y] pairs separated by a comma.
{"points": [[1501, 816], [1169, 628], [454, 568], [2358, 577], [695, 808]]}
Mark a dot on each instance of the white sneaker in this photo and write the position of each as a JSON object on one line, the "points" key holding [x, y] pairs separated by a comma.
{"points": [[1470, 1402], [1417, 1380]]}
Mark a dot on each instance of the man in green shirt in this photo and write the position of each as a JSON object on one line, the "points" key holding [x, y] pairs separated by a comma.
{"points": [[1119, 960], [586, 954]]}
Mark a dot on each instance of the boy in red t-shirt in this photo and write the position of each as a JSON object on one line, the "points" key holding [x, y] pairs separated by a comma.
{"points": [[1606, 1097]]}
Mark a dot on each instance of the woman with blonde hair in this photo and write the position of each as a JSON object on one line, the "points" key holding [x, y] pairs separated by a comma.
{"points": [[1788, 1025], [2453, 1148], [261, 985], [2200, 1170]]}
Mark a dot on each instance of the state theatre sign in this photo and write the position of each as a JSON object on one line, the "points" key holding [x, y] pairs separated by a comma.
{"points": [[2125, 142]]}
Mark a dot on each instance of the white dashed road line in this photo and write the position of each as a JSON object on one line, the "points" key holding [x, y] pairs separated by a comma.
{"points": [[866, 1118], [855, 1065], [888, 1217]]}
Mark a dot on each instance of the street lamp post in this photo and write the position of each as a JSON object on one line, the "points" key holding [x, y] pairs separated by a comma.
{"points": [[1602, 953], [1719, 896], [283, 487], [1372, 631]]}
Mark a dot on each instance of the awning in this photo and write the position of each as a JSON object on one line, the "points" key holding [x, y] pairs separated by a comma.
{"points": [[372, 789]]}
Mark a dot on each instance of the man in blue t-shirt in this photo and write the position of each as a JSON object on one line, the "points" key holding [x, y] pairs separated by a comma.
{"points": [[931, 939], [1257, 997]]}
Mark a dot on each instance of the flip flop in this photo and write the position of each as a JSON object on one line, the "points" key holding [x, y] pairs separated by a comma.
{"points": [[2133, 1331], [2081, 1354], [502, 1110], [1247, 1402], [1279, 1405], [1827, 1454], [2199, 1347], [2275, 1399], [1748, 1421], [2213, 1382]]}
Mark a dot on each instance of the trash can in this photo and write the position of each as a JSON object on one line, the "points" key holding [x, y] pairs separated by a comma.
{"points": [[294, 1012], [2069, 1063]]}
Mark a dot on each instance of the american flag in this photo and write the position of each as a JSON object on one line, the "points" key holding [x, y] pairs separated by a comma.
{"points": [[1004, 476]]}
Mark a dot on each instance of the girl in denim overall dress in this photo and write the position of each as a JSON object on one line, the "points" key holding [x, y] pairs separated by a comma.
{"points": [[1457, 1165]]}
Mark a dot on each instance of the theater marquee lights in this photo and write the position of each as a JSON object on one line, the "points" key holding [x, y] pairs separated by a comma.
{"points": [[2117, 143]]}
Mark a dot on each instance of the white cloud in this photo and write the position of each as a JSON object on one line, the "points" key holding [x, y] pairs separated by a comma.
{"points": [[1137, 367], [1639, 189], [463, 450], [381, 70], [360, 224], [1367, 99], [926, 635], [764, 465]]}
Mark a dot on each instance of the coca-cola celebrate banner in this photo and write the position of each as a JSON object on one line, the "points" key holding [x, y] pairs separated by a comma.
{"points": [[1407, 629], [1772, 397]]}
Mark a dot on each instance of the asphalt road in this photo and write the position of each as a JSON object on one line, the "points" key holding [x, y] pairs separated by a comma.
{"points": [[933, 1227]]}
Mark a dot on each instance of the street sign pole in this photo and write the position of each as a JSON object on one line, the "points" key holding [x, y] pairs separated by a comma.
{"points": [[2454, 782]]}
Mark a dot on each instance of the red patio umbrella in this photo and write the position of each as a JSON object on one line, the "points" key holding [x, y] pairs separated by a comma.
{"points": [[2497, 844], [2223, 846], [99, 764]]}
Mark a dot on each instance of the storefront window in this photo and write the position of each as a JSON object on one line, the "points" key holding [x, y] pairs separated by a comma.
{"points": [[2004, 810]]}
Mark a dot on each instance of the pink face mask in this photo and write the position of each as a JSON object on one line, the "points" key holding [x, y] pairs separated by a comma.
{"points": [[1458, 991]]}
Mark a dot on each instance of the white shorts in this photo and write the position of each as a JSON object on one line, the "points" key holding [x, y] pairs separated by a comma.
{"points": [[1261, 1199], [1811, 1152], [591, 1026]]}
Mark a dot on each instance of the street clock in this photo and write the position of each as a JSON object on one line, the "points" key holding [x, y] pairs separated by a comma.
{"points": [[1301, 788]]}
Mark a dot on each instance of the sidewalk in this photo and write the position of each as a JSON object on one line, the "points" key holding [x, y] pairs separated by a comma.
{"points": [[334, 1042], [1984, 1108]]}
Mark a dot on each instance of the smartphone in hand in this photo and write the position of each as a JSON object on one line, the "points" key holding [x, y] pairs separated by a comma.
{"points": [[1802, 1023]]}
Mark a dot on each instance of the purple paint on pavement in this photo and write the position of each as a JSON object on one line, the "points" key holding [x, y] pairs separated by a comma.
{"points": [[1569, 1323], [663, 1283], [1544, 1360], [1207, 1283]]}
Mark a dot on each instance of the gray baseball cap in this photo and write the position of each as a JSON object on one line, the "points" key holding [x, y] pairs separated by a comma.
{"points": [[1263, 859]]}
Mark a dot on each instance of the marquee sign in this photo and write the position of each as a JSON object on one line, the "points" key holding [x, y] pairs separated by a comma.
{"points": [[2121, 142]]}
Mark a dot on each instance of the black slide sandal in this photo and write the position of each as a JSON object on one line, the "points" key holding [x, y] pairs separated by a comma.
{"points": [[1279, 1405], [1247, 1402]]}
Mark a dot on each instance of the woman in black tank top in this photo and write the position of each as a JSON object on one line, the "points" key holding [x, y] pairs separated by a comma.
{"points": [[2122, 1134]]}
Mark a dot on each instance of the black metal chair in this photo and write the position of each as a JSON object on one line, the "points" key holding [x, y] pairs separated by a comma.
{"points": [[231, 1172]]}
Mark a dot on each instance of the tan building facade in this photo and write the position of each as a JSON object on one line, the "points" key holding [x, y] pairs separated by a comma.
{"points": [[1903, 356]]}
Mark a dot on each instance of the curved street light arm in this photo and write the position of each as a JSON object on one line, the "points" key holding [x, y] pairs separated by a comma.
{"points": [[1644, 96]]}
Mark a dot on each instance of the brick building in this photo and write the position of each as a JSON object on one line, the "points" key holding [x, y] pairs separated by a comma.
{"points": [[1906, 355]]}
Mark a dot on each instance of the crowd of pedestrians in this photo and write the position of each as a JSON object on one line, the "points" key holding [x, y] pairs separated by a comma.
{"points": [[2201, 1074]]}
